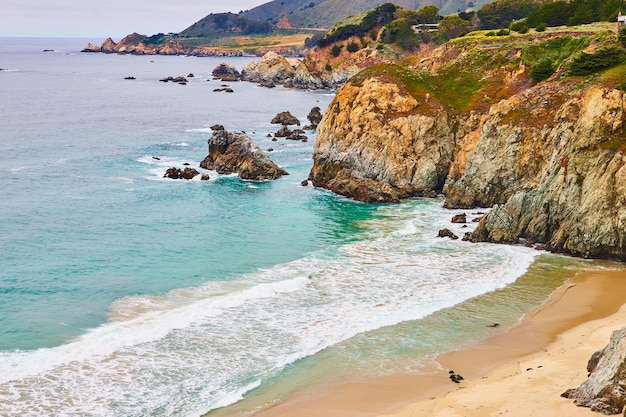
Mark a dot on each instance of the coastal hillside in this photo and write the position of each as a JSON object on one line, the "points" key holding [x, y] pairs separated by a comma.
{"points": [[531, 124], [326, 13]]}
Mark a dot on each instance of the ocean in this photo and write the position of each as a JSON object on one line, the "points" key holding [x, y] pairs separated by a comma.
{"points": [[123, 293]]}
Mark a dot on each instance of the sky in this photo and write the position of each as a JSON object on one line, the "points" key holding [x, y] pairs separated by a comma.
{"points": [[108, 18]]}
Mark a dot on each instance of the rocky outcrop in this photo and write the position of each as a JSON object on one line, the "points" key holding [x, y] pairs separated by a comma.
{"points": [[183, 174], [447, 233], [604, 390], [108, 46], [179, 80], [373, 134], [271, 67], [321, 69], [226, 72], [459, 218], [314, 117], [134, 44], [91, 48], [285, 118], [235, 152]]}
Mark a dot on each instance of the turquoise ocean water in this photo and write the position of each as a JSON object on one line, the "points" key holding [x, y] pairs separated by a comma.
{"points": [[126, 294]]}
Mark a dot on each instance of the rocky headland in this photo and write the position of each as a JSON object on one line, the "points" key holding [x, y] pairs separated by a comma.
{"points": [[472, 120], [136, 44]]}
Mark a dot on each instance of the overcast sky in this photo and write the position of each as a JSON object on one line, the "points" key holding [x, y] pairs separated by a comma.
{"points": [[114, 18]]}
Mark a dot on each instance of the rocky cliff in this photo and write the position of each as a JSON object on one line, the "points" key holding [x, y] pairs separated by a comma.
{"points": [[603, 391], [319, 69], [469, 121]]}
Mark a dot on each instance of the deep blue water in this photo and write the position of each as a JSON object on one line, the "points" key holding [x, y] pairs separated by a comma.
{"points": [[127, 294]]}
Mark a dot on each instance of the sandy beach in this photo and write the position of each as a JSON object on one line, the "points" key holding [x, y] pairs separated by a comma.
{"points": [[518, 372]]}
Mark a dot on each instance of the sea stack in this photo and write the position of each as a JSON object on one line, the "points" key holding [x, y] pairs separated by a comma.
{"points": [[235, 152]]}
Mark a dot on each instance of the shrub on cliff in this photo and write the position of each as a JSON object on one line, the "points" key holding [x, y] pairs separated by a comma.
{"points": [[427, 14], [542, 70], [519, 26], [352, 47], [555, 50], [603, 58], [621, 37], [453, 26], [401, 33]]}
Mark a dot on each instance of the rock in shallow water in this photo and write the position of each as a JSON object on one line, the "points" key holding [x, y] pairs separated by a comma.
{"points": [[181, 174], [235, 152]]}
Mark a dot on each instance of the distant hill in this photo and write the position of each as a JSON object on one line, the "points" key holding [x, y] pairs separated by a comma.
{"points": [[222, 24], [325, 13]]}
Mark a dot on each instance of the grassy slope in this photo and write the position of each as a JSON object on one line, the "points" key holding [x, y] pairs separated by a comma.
{"points": [[480, 66]]}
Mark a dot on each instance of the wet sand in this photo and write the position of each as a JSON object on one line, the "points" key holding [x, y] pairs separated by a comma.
{"points": [[518, 372]]}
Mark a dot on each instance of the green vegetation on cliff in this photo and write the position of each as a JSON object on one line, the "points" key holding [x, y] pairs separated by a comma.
{"points": [[386, 24], [482, 72]]}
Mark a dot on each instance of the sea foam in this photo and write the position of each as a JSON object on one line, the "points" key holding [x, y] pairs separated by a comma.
{"points": [[189, 347]]}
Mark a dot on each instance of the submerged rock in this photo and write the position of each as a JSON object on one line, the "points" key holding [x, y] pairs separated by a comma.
{"points": [[283, 132], [180, 79], [181, 174], [447, 233], [459, 218], [235, 152]]}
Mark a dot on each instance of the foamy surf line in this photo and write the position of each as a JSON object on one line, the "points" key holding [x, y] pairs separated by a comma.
{"points": [[197, 349]]}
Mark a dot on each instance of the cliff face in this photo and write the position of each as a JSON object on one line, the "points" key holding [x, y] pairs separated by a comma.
{"points": [[563, 185], [373, 134], [469, 122]]}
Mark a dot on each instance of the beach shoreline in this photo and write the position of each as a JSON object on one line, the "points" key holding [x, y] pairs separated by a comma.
{"points": [[530, 363]]}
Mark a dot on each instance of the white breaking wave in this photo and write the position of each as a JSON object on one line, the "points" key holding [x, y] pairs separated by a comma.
{"points": [[196, 349]]}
